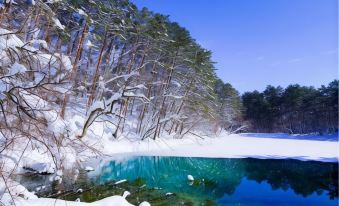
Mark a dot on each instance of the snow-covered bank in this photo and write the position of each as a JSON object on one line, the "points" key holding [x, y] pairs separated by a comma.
{"points": [[18, 195], [279, 146], [109, 201]]}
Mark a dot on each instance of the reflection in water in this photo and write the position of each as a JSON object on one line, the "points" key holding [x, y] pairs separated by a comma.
{"points": [[304, 178], [224, 175], [223, 181]]}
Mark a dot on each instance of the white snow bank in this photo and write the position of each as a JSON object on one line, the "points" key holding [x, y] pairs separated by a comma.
{"points": [[20, 196], [327, 137], [109, 201], [301, 147], [39, 167], [15, 189]]}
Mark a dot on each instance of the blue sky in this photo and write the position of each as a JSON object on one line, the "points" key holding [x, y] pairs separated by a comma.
{"points": [[261, 42]]}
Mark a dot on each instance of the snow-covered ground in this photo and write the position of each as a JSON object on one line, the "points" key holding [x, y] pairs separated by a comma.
{"points": [[257, 145], [109, 201]]}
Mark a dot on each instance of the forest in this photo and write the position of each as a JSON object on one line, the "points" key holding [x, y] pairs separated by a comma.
{"points": [[294, 109], [128, 67]]}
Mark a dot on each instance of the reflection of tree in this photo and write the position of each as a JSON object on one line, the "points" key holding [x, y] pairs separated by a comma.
{"points": [[304, 178], [216, 177]]}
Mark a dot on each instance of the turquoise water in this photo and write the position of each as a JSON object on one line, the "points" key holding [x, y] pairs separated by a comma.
{"points": [[245, 182]]}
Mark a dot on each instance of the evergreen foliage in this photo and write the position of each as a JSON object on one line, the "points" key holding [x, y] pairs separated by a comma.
{"points": [[295, 109]]}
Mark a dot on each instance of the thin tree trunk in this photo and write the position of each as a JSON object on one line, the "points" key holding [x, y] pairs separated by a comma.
{"points": [[74, 68], [96, 76], [149, 91], [161, 113]]}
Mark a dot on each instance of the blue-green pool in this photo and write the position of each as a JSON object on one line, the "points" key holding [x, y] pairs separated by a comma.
{"points": [[245, 182]]}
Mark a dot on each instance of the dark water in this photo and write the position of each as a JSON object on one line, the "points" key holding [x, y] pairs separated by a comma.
{"points": [[217, 182]]}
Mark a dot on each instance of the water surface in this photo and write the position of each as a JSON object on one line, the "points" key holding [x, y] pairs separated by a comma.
{"points": [[163, 181]]}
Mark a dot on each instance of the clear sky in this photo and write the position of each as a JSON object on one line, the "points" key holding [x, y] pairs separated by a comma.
{"points": [[261, 42]]}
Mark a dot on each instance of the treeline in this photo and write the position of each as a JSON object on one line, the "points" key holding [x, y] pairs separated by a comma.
{"points": [[295, 109]]}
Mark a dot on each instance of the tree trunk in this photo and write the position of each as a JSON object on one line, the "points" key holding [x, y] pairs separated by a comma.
{"points": [[74, 68], [97, 71]]}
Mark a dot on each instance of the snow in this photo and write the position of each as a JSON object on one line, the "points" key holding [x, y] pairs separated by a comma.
{"points": [[81, 12], [114, 97], [9, 40], [120, 181], [15, 189], [282, 146], [59, 173], [109, 201], [96, 105], [53, 1], [65, 61], [33, 101], [80, 190], [88, 168], [40, 188], [125, 76], [58, 24], [140, 86], [190, 178], [32, 160], [144, 204], [133, 94], [22, 197], [58, 179], [17, 68], [248, 145], [174, 96], [39, 167], [126, 193], [177, 84], [89, 44], [43, 43]]}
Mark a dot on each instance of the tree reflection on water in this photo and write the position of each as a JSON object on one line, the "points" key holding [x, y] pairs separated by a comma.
{"points": [[219, 176]]}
